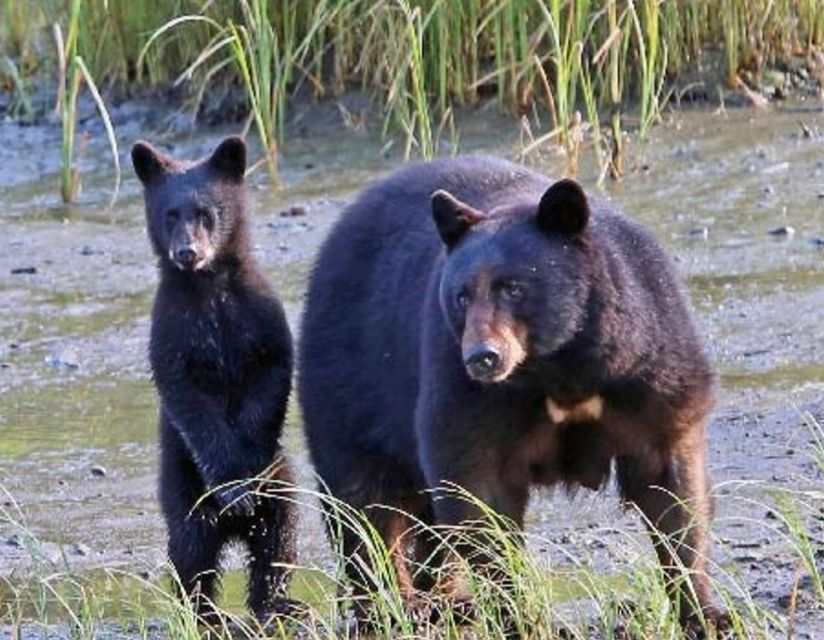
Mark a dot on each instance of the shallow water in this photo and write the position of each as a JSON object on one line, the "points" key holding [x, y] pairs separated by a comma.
{"points": [[74, 385]]}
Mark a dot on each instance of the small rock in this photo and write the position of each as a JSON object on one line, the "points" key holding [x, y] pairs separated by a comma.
{"points": [[283, 247], [748, 557], [768, 190], [99, 471], [63, 357], [79, 549], [14, 541], [817, 242], [803, 600], [20, 270], [745, 544], [700, 232], [295, 211], [785, 231]]}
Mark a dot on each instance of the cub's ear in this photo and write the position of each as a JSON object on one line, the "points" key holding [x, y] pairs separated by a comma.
{"points": [[229, 158], [453, 218], [563, 208], [149, 163]]}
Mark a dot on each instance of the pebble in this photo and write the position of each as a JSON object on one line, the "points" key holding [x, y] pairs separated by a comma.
{"points": [[785, 231], [14, 541], [79, 549], [98, 471], [63, 357], [295, 211]]}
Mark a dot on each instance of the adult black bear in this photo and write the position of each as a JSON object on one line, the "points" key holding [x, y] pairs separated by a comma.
{"points": [[529, 335], [221, 357]]}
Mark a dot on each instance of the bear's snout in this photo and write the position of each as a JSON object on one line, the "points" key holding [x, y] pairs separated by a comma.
{"points": [[186, 257], [493, 343], [483, 362]]}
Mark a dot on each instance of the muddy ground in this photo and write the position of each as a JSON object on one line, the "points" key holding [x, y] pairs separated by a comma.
{"points": [[738, 197]]}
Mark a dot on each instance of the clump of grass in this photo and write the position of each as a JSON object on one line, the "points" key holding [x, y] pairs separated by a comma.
{"points": [[421, 58], [72, 73], [518, 591]]}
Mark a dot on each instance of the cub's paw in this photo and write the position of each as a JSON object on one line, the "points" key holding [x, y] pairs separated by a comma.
{"points": [[236, 500]]}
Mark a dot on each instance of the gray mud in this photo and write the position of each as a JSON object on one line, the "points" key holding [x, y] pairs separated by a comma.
{"points": [[737, 198]]}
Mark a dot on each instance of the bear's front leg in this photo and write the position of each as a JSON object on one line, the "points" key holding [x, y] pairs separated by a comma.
{"points": [[200, 420], [467, 472], [671, 488], [262, 410]]}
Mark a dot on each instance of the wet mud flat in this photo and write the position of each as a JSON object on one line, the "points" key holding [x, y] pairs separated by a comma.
{"points": [[737, 198]]}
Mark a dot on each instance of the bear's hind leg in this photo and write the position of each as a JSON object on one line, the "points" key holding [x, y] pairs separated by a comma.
{"points": [[272, 544], [387, 497], [194, 550], [194, 539]]}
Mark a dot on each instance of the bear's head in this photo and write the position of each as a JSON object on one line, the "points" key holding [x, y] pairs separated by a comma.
{"points": [[515, 282], [194, 210]]}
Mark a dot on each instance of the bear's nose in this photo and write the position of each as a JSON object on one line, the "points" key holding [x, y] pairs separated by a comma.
{"points": [[482, 362], [186, 256]]}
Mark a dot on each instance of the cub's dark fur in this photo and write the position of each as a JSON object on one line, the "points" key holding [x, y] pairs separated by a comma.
{"points": [[472, 322], [221, 356]]}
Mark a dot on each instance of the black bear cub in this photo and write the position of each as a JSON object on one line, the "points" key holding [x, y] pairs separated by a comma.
{"points": [[221, 358], [474, 323]]}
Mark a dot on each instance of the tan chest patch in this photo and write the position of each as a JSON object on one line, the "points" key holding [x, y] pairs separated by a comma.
{"points": [[589, 410]]}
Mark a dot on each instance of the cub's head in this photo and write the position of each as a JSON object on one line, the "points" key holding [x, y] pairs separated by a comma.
{"points": [[194, 210], [516, 278]]}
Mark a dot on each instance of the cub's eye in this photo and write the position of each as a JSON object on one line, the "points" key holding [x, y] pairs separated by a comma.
{"points": [[462, 299], [512, 290], [206, 217], [172, 216]]}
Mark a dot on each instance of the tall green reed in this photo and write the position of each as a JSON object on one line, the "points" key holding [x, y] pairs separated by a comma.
{"points": [[73, 72]]}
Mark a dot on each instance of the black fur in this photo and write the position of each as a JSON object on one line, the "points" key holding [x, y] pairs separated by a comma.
{"points": [[393, 398], [221, 357]]}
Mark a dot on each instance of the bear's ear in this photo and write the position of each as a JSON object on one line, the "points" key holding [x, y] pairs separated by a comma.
{"points": [[453, 218], [229, 158], [148, 162], [564, 208]]}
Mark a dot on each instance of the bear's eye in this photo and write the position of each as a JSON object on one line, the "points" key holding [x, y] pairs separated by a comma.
{"points": [[172, 216], [462, 299], [205, 216], [512, 290]]}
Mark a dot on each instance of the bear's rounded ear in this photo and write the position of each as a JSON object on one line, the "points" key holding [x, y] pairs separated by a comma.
{"points": [[564, 208], [229, 158], [148, 162], [453, 218]]}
